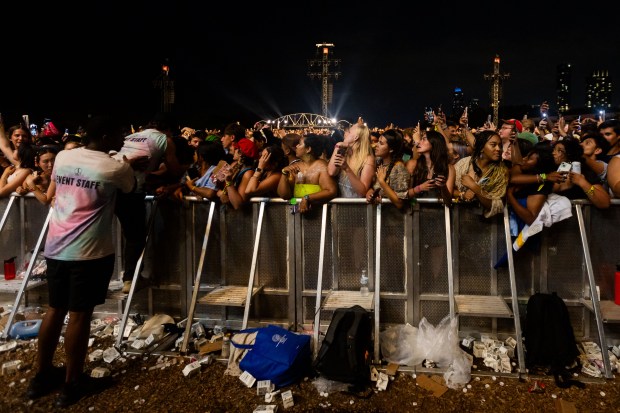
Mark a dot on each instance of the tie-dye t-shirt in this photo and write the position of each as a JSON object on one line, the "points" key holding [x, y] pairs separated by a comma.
{"points": [[86, 182]]}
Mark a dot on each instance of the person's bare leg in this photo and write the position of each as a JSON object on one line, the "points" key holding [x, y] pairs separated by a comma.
{"points": [[49, 334], [76, 342]]}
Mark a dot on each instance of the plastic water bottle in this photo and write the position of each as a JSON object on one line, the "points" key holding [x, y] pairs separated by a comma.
{"points": [[364, 284], [225, 347]]}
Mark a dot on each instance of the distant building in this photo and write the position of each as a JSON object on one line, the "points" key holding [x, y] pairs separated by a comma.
{"points": [[563, 80], [598, 90], [458, 102]]}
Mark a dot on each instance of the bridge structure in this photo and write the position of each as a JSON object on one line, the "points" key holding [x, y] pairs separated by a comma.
{"points": [[305, 120]]}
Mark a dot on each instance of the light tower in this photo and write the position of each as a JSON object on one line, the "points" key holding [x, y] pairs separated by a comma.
{"points": [[166, 86], [323, 63], [496, 79]]}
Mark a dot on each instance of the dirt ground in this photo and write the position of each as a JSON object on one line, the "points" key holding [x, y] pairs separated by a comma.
{"points": [[157, 384]]}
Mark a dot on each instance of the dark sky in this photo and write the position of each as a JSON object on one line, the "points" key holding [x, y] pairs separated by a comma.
{"points": [[246, 62]]}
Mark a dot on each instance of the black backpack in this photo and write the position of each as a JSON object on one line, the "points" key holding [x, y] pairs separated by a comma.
{"points": [[345, 352], [549, 338]]}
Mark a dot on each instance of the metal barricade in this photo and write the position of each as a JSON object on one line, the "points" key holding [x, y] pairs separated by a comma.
{"points": [[417, 270]]}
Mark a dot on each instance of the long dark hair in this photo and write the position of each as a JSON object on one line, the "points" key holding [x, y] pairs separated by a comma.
{"points": [[545, 163], [27, 155], [278, 159], [439, 158], [394, 140], [316, 144]]}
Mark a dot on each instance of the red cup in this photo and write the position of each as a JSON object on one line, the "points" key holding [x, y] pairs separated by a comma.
{"points": [[9, 269]]}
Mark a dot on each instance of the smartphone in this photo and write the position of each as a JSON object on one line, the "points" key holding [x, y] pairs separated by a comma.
{"points": [[342, 150], [565, 167], [430, 118], [489, 119], [193, 173]]}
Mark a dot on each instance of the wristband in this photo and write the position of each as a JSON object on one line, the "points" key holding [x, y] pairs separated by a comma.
{"points": [[590, 191], [285, 173], [227, 184], [307, 198]]}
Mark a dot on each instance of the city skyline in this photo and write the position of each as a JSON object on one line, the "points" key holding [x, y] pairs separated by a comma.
{"points": [[250, 63]]}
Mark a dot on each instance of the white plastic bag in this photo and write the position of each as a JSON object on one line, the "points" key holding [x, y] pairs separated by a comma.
{"points": [[436, 343], [441, 344], [459, 372], [397, 344]]}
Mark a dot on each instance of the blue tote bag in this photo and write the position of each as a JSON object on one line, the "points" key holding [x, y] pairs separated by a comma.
{"points": [[277, 354]]}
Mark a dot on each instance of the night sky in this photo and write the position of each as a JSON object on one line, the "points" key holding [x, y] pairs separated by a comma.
{"points": [[249, 62]]}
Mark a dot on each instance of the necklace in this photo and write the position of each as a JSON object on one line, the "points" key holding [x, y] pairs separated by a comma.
{"points": [[294, 161]]}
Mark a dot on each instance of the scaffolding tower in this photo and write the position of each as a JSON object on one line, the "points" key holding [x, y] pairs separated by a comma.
{"points": [[496, 79], [320, 68], [166, 86]]}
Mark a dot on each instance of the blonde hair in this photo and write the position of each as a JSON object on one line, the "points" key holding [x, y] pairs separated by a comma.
{"points": [[360, 149]]}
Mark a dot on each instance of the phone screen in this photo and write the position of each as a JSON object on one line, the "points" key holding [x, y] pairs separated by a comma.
{"points": [[565, 167]]}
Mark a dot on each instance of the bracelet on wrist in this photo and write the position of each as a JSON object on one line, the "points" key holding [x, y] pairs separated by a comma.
{"points": [[285, 173], [590, 191]]}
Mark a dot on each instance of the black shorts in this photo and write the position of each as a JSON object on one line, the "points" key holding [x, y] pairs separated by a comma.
{"points": [[78, 285]]}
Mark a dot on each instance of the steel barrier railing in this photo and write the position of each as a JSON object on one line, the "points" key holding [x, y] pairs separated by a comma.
{"points": [[418, 261]]}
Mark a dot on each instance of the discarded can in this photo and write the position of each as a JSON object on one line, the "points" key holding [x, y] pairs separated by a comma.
{"points": [[198, 330], [11, 367], [99, 372]]}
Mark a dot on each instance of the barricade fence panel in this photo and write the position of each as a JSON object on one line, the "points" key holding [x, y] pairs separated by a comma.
{"points": [[272, 268], [413, 266], [22, 225], [11, 240], [393, 253]]}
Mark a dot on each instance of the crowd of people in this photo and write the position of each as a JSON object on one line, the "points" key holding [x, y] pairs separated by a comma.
{"points": [[102, 171]]}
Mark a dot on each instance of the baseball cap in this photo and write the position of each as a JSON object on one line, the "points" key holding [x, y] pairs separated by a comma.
{"points": [[247, 148], [518, 125]]}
